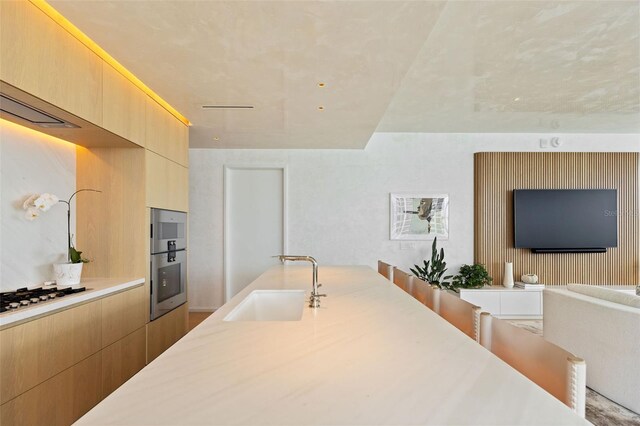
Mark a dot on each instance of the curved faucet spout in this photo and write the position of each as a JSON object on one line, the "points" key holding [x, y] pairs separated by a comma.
{"points": [[314, 300]]}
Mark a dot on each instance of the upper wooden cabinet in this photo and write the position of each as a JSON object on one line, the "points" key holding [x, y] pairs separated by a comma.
{"points": [[41, 58], [167, 183], [165, 135], [123, 106]]}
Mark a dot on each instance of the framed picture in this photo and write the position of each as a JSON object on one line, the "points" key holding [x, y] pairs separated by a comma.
{"points": [[419, 216]]}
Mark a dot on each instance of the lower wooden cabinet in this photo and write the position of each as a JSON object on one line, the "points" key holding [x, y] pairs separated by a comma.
{"points": [[123, 359], [61, 400], [166, 330], [123, 313], [37, 350], [56, 368]]}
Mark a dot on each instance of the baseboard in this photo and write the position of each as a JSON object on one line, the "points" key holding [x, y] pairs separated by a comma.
{"points": [[199, 309]]}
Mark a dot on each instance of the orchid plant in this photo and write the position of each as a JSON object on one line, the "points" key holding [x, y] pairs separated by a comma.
{"points": [[39, 203]]}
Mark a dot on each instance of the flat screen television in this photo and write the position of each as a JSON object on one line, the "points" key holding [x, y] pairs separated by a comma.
{"points": [[565, 220]]}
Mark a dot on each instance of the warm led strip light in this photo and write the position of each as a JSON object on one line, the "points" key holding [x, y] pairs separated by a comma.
{"points": [[27, 131], [95, 48]]}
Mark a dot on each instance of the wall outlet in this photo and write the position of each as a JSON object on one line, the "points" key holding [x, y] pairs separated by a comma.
{"points": [[555, 142]]}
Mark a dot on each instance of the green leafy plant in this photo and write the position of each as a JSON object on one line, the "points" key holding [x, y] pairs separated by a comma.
{"points": [[75, 256], [471, 276], [433, 270]]}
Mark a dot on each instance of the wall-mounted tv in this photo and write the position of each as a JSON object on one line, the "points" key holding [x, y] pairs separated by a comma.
{"points": [[565, 220]]}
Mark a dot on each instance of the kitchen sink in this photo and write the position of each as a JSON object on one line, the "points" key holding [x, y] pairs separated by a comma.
{"points": [[269, 305]]}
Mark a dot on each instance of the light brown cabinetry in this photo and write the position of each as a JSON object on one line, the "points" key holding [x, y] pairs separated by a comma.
{"points": [[167, 183], [124, 313], [61, 400], [166, 330], [55, 368], [38, 350], [123, 105], [39, 57], [123, 359], [165, 135]]}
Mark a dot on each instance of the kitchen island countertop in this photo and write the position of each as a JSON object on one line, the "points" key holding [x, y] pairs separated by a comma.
{"points": [[370, 355]]}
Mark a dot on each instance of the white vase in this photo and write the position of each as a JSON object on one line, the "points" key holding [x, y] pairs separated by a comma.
{"points": [[67, 274], [507, 280]]}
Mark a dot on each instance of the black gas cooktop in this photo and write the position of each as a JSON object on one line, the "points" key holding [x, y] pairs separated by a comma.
{"points": [[23, 297]]}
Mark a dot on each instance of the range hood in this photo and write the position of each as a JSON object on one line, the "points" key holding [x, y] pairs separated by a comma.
{"points": [[27, 110], [31, 114]]}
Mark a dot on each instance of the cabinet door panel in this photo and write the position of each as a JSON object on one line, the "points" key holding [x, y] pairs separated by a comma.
{"points": [[123, 359], [166, 330], [43, 59], [166, 135], [124, 106], [521, 303], [122, 313], [61, 400], [489, 301], [167, 183], [35, 351]]}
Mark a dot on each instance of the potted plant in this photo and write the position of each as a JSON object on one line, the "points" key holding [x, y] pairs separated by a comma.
{"points": [[433, 270], [69, 273], [471, 276]]}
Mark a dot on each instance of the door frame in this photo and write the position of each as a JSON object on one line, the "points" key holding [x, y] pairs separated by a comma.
{"points": [[226, 212]]}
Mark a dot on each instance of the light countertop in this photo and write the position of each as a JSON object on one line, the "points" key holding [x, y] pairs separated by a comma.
{"points": [[96, 288], [370, 355]]}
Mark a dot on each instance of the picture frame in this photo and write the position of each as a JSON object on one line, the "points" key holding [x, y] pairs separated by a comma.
{"points": [[418, 216]]}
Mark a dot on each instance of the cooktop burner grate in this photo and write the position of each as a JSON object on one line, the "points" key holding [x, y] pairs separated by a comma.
{"points": [[23, 297]]}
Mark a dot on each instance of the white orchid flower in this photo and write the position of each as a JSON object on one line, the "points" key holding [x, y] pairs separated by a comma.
{"points": [[29, 201], [32, 213], [45, 201]]}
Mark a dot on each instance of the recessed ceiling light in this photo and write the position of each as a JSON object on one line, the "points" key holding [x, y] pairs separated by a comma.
{"points": [[516, 99], [320, 108], [320, 84], [215, 138]]}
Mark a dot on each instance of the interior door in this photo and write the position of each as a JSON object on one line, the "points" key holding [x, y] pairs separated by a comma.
{"points": [[254, 218]]}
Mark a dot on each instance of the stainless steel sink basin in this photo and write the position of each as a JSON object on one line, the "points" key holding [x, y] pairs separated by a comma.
{"points": [[269, 305]]}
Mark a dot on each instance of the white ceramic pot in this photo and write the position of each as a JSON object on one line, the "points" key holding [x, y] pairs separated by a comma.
{"points": [[529, 278], [507, 280], [67, 274]]}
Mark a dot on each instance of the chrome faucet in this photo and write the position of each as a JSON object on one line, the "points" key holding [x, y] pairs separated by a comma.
{"points": [[314, 299]]}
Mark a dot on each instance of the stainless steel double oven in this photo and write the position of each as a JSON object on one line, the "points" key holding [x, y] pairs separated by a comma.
{"points": [[168, 261]]}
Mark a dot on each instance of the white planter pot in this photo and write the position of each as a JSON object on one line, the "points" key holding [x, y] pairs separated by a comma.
{"points": [[67, 274]]}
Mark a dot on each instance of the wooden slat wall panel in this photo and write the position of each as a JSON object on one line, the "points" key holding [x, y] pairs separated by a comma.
{"points": [[497, 174]]}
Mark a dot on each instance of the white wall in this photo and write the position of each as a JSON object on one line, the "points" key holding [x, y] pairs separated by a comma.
{"points": [[338, 200], [29, 164]]}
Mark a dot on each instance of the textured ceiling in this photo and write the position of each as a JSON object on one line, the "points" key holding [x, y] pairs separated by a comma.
{"points": [[390, 66]]}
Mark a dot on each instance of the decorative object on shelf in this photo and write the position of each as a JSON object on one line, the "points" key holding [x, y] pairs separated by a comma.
{"points": [[507, 280], [66, 274], [525, 286], [471, 276], [434, 269], [419, 216], [529, 278]]}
